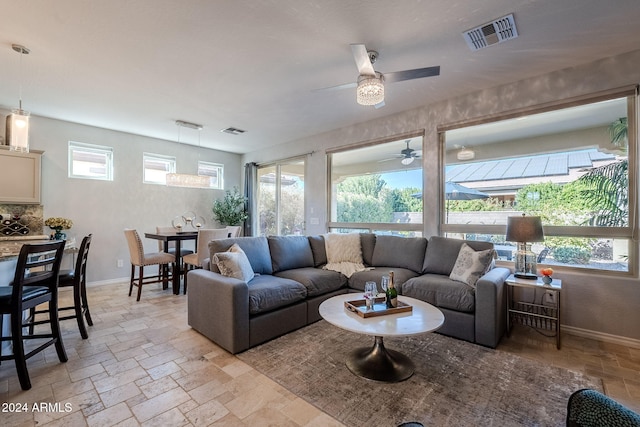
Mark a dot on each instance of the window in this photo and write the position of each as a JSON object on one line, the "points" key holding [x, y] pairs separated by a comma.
{"points": [[570, 166], [90, 161], [377, 187], [215, 172], [156, 168], [281, 198]]}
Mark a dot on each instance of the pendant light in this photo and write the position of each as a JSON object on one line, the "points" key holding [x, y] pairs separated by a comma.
{"points": [[18, 121], [185, 179]]}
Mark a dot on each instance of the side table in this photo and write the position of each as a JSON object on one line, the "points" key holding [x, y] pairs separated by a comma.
{"points": [[542, 312]]}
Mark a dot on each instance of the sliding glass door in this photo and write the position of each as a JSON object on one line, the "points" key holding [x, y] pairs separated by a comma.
{"points": [[281, 198]]}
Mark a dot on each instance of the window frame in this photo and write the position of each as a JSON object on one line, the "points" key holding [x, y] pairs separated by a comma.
{"points": [[629, 232], [170, 160], [372, 227], [220, 170], [74, 147]]}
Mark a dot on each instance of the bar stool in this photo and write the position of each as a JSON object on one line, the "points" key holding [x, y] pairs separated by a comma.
{"points": [[78, 279], [35, 282]]}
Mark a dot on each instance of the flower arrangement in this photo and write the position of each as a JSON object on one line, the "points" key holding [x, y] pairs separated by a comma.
{"points": [[546, 275], [546, 271], [57, 223]]}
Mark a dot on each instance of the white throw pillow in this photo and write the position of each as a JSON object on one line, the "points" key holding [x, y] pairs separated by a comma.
{"points": [[471, 265], [343, 248], [234, 263]]}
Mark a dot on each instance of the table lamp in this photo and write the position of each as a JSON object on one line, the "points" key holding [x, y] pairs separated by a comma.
{"points": [[523, 230]]}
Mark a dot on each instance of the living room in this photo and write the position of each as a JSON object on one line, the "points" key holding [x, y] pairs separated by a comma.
{"points": [[597, 306]]}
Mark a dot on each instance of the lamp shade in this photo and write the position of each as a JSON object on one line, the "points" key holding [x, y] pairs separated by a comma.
{"points": [[17, 131], [524, 229]]}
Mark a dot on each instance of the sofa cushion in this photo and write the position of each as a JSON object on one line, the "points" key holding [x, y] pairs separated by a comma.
{"points": [[256, 248], [234, 263], [319, 250], [396, 251], [471, 265], [317, 281], [368, 243], [267, 293], [442, 253], [442, 292], [288, 252], [400, 275]]}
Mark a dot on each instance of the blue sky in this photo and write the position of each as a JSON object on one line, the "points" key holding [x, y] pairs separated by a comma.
{"points": [[404, 179]]}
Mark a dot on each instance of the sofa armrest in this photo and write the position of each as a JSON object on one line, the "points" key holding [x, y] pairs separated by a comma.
{"points": [[218, 308], [491, 307]]}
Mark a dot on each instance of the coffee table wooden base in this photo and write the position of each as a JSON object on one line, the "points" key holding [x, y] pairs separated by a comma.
{"points": [[379, 364]]}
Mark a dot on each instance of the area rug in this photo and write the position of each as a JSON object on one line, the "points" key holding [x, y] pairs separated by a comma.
{"points": [[455, 383]]}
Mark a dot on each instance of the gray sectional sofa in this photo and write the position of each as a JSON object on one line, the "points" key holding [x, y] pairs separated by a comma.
{"points": [[290, 284]]}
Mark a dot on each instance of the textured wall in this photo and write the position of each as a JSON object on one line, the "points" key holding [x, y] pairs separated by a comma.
{"points": [[601, 304], [106, 208]]}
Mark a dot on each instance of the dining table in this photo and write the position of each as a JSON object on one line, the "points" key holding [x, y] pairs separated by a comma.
{"points": [[178, 237]]}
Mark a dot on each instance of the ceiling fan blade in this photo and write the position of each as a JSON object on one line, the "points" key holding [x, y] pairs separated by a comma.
{"points": [[417, 73], [339, 87], [379, 105], [362, 60]]}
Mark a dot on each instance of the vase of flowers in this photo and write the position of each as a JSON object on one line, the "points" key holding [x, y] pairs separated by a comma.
{"points": [[546, 275], [58, 224]]}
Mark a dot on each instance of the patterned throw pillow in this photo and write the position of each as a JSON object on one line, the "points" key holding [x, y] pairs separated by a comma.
{"points": [[234, 263], [471, 265]]}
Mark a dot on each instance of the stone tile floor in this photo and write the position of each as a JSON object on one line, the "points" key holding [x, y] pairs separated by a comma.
{"points": [[143, 365]]}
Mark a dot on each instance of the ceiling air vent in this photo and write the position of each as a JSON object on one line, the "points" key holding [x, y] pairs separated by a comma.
{"points": [[497, 31], [233, 131]]}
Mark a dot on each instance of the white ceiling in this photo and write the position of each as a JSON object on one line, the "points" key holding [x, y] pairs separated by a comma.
{"points": [[137, 66]]}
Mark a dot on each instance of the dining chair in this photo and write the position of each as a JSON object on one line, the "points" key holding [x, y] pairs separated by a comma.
{"points": [[235, 230], [35, 282], [141, 259], [77, 279], [192, 261]]}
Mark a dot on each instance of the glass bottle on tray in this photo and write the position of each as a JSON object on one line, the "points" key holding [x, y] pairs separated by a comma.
{"points": [[392, 293]]}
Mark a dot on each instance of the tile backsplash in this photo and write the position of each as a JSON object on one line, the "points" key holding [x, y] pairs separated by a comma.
{"points": [[21, 220]]}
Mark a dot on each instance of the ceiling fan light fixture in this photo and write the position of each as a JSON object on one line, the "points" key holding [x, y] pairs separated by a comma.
{"points": [[370, 90], [407, 160], [466, 154]]}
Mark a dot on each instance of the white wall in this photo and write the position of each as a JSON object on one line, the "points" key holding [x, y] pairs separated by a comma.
{"points": [[601, 304], [107, 208]]}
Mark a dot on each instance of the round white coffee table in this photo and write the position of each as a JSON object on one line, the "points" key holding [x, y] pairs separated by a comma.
{"points": [[377, 363]]}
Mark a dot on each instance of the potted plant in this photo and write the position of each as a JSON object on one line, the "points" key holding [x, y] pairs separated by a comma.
{"points": [[230, 209]]}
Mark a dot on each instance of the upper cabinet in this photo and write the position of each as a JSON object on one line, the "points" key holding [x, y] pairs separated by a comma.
{"points": [[19, 176]]}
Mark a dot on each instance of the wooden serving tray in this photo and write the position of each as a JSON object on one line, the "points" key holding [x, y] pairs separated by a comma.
{"points": [[379, 307]]}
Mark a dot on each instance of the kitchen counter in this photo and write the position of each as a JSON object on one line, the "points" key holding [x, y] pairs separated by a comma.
{"points": [[10, 245]]}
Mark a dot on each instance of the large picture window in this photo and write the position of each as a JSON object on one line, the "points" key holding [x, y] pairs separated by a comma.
{"points": [[377, 187], [571, 166]]}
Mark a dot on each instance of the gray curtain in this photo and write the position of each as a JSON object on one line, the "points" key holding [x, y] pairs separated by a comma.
{"points": [[250, 193]]}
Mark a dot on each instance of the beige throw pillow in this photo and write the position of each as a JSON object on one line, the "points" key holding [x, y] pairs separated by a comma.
{"points": [[471, 265], [234, 263]]}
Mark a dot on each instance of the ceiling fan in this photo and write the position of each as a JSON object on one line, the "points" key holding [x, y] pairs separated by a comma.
{"points": [[408, 155], [370, 83]]}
